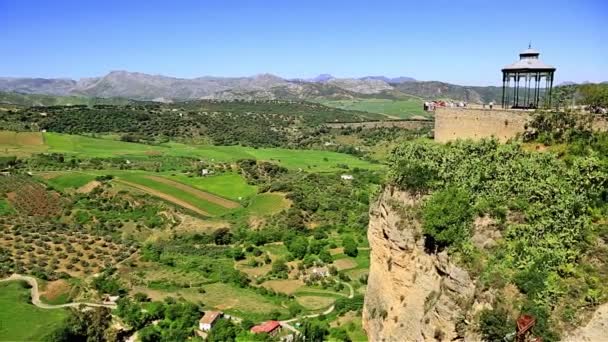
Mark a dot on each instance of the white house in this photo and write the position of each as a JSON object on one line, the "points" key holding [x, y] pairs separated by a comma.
{"points": [[209, 319], [347, 177]]}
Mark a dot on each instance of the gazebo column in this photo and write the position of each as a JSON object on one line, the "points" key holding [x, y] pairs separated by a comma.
{"points": [[527, 96], [550, 87], [536, 92], [503, 90], [516, 90]]}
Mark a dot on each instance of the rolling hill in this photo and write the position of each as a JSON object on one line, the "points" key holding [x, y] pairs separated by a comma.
{"points": [[140, 86]]}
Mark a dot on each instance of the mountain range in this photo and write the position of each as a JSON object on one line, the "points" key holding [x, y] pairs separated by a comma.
{"points": [[140, 86]]}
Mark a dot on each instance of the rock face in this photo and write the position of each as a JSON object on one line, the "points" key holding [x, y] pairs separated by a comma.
{"points": [[411, 295]]}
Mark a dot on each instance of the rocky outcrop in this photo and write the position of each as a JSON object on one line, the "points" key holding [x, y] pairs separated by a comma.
{"points": [[412, 295], [595, 330]]}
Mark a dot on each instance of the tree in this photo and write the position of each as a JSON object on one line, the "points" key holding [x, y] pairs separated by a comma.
{"points": [[495, 324], [90, 326], [313, 331], [298, 247], [350, 246], [222, 236], [223, 331], [279, 267], [149, 334], [447, 215], [325, 256]]}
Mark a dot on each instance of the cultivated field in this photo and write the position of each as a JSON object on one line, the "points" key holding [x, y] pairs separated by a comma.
{"points": [[401, 109], [21, 143], [309, 160]]}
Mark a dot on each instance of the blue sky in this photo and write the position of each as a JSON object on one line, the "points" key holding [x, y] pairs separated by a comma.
{"points": [[459, 41]]}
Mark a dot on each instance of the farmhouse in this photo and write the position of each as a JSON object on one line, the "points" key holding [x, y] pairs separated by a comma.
{"points": [[270, 327], [209, 319], [347, 177]]}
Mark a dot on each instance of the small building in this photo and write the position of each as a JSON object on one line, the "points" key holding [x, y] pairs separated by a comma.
{"points": [[347, 177], [270, 327], [320, 271], [209, 319]]}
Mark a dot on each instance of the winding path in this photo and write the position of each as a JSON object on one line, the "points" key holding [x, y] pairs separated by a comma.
{"points": [[36, 295], [329, 310]]}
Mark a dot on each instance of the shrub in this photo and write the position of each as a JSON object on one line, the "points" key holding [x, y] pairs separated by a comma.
{"points": [[447, 216], [495, 324]]}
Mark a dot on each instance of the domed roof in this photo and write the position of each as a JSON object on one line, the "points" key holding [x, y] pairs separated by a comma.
{"points": [[529, 52], [529, 61]]}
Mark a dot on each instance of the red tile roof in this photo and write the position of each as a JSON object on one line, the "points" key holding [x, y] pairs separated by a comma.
{"points": [[210, 316], [266, 327]]}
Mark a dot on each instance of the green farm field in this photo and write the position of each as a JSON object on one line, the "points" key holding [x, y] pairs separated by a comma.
{"points": [[22, 321], [228, 185], [269, 203], [175, 192], [401, 109], [307, 160], [71, 180]]}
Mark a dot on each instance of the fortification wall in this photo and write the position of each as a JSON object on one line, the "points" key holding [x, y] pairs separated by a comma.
{"points": [[406, 124], [476, 124]]}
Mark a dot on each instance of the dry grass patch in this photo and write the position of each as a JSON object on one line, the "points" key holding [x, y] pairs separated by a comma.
{"points": [[253, 272], [345, 264], [287, 286], [90, 186], [315, 302], [334, 251], [55, 289]]}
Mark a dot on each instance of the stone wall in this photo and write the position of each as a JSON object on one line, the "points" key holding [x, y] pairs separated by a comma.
{"points": [[476, 124]]}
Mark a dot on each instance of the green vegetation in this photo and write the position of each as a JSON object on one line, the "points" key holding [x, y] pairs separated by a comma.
{"points": [[396, 108], [447, 216], [309, 160], [264, 204], [73, 180], [548, 207], [5, 207], [228, 185], [22, 321]]}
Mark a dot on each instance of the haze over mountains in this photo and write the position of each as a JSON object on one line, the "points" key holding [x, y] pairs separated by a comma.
{"points": [[140, 86]]}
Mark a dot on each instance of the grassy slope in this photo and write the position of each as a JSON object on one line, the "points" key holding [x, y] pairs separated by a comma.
{"points": [[70, 180], [311, 160], [229, 185], [403, 109], [5, 207], [264, 204], [139, 177], [21, 321]]}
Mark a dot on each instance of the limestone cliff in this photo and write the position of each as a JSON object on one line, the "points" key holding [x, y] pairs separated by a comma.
{"points": [[412, 295]]}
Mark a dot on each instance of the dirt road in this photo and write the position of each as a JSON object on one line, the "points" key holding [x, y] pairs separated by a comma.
{"points": [[36, 295]]}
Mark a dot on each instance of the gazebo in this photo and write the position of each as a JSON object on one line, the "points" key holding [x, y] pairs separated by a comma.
{"points": [[531, 70]]}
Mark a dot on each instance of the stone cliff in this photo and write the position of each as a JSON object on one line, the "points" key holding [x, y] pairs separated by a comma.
{"points": [[412, 295]]}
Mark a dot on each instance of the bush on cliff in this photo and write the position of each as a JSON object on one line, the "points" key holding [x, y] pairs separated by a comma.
{"points": [[447, 216]]}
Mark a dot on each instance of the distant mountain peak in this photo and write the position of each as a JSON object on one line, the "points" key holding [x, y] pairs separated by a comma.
{"points": [[400, 79], [321, 78]]}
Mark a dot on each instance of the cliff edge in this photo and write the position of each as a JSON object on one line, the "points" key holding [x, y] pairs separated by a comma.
{"points": [[412, 295]]}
